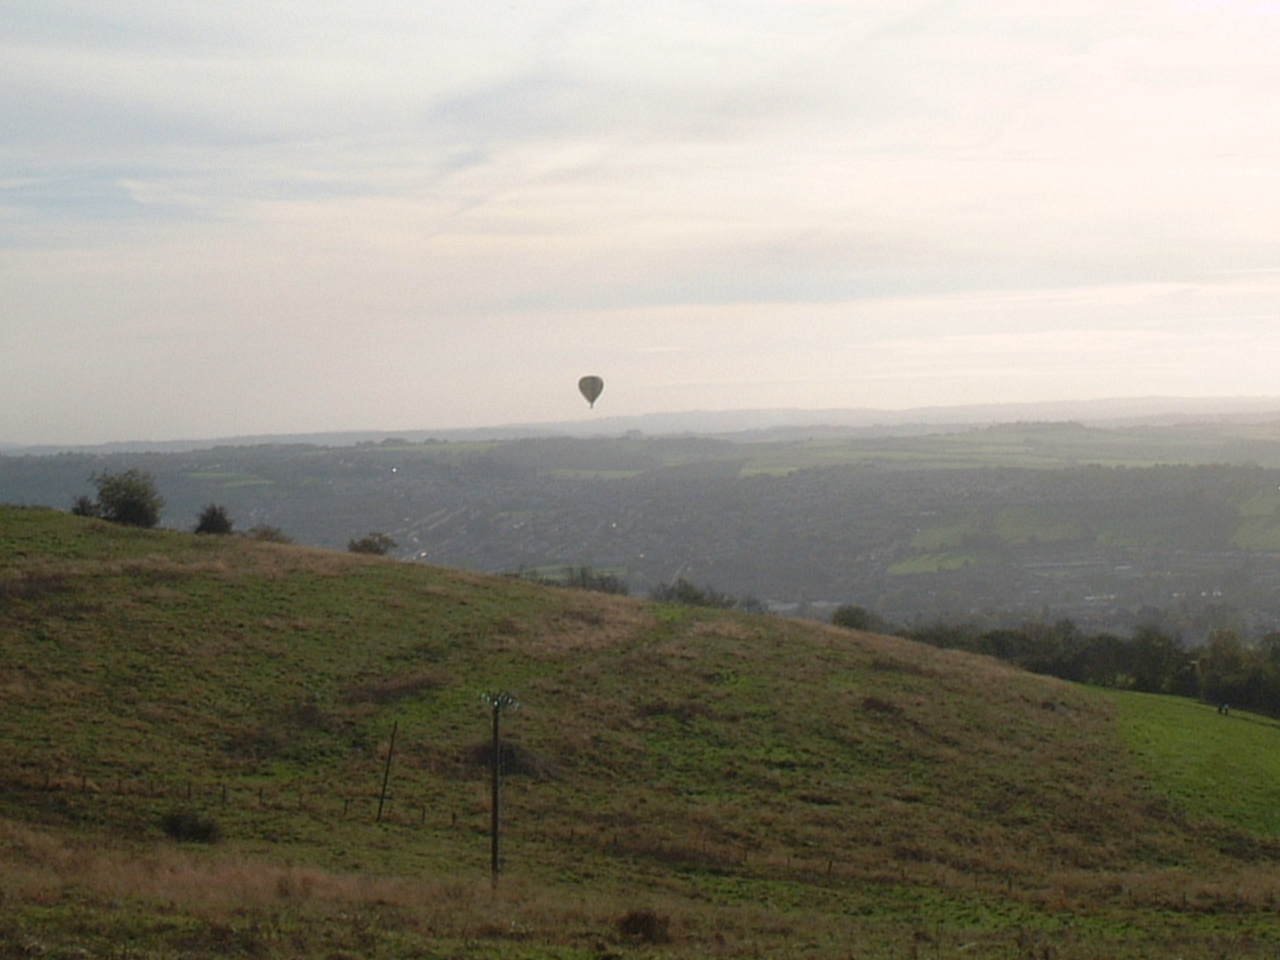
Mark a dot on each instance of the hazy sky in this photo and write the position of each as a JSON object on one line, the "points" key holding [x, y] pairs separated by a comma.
{"points": [[230, 217]]}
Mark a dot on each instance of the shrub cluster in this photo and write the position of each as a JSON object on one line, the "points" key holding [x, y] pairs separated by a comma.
{"points": [[684, 592], [268, 534], [581, 578], [854, 616], [214, 520], [129, 498], [376, 544]]}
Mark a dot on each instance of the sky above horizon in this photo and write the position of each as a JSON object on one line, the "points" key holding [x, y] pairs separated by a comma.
{"points": [[267, 216]]}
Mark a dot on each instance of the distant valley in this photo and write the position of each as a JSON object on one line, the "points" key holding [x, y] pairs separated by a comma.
{"points": [[1172, 524]]}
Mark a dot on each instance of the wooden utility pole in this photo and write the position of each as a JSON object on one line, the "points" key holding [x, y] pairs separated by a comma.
{"points": [[497, 702]]}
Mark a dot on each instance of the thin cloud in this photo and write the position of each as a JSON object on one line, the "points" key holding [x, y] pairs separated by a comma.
{"points": [[330, 193]]}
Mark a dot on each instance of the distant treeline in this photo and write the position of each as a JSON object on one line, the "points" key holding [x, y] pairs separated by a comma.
{"points": [[1223, 670]]}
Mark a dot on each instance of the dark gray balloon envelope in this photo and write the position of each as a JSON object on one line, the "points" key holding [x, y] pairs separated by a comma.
{"points": [[591, 388]]}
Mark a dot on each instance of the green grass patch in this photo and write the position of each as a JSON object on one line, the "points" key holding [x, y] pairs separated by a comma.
{"points": [[1025, 525], [1257, 534], [943, 536], [1221, 768], [1264, 506], [1259, 527], [936, 563]]}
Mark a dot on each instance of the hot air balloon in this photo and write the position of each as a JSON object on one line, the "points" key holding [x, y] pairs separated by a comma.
{"points": [[591, 388]]}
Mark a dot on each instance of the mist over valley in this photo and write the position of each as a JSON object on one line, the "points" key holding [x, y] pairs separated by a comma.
{"points": [[1141, 516]]}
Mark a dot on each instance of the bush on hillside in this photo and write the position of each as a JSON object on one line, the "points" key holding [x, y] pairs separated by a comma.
{"points": [[854, 616], [580, 578], [214, 520], [129, 498], [375, 544], [687, 593], [85, 506], [268, 534]]}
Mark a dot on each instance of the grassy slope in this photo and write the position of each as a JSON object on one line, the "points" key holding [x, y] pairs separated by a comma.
{"points": [[1216, 766], [767, 785]]}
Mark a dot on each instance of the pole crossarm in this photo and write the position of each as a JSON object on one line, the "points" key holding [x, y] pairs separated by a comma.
{"points": [[500, 701]]}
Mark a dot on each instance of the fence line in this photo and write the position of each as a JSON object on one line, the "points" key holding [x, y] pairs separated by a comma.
{"points": [[298, 796], [311, 798]]}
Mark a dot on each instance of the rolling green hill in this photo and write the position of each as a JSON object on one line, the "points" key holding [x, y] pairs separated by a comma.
{"points": [[681, 782]]}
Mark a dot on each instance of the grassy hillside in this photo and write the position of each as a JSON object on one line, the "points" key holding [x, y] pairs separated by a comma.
{"points": [[723, 785]]}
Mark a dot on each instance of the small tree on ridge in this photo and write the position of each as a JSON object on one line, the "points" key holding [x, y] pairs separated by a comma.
{"points": [[214, 519], [378, 544], [129, 498]]}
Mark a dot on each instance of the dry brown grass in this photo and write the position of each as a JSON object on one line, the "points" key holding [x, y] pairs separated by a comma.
{"points": [[225, 892], [237, 559], [396, 688], [582, 621], [42, 867]]}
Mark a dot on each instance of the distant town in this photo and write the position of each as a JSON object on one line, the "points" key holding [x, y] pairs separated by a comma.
{"points": [[1175, 525]]}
